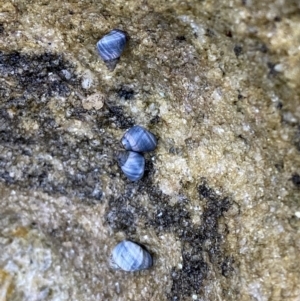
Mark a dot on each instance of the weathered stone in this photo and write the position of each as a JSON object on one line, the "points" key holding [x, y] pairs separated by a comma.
{"points": [[218, 207]]}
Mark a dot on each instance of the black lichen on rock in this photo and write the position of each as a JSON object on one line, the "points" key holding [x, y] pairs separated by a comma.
{"points": [[226, 266], [117, 116], [120, 217], [122, 212], [37, 75], [36, 151], [155, 120], [126, 93], [189, 279], [175, 218], [202, 245], [198, 241]]}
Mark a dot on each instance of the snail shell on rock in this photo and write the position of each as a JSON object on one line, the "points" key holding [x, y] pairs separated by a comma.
{"points": [[129, 256], [139, 139], [111, 46], [132, 164]]}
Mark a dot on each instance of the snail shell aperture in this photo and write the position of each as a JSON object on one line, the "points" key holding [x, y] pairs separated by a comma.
{"points": [[111, 46], [129, 256], [132, 164], [139, 139]]}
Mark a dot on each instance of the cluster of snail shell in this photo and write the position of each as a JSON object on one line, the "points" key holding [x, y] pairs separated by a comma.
{"points": [[127, 255], [136, 141]]}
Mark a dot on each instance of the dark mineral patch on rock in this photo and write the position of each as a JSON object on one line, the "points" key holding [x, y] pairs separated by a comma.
{"points": [[226, 266], [37, 152], [189, 279], [277, 19], [181, 38], [122, 212], [172, 218], [198, 241], [121, 219], [155, 120], [41, 173], [238, 49], [228, 33], [126, 93], [117, 116], [149, 169], [296, 180], [202, 244], [36, 75]]}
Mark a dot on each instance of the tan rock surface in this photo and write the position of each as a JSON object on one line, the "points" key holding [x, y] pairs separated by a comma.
{"points": [[218, 83]]}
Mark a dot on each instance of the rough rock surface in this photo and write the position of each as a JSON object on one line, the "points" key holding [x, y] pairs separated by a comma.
{"points": [[217, 82]]}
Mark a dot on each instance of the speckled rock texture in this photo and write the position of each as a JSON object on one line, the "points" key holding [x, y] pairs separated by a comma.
{"points": [[218, 208]]}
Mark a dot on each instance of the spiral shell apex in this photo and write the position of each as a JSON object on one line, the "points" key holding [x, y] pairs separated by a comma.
{"points": [[132, 164], [111, 46], [139, 139], [129, 256]]}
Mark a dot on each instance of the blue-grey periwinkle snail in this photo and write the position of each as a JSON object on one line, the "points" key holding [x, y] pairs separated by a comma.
{"points": [[111, 46], [135, 140], [132, 164], [129, 256], [138, 139]]}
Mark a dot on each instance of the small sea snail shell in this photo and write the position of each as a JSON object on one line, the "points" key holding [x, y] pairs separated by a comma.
{"points": [[129, 256], [138, 139], [111, 46], [132, 164]]}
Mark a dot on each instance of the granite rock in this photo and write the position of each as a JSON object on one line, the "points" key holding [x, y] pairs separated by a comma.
{"points": [[218, 206]]}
